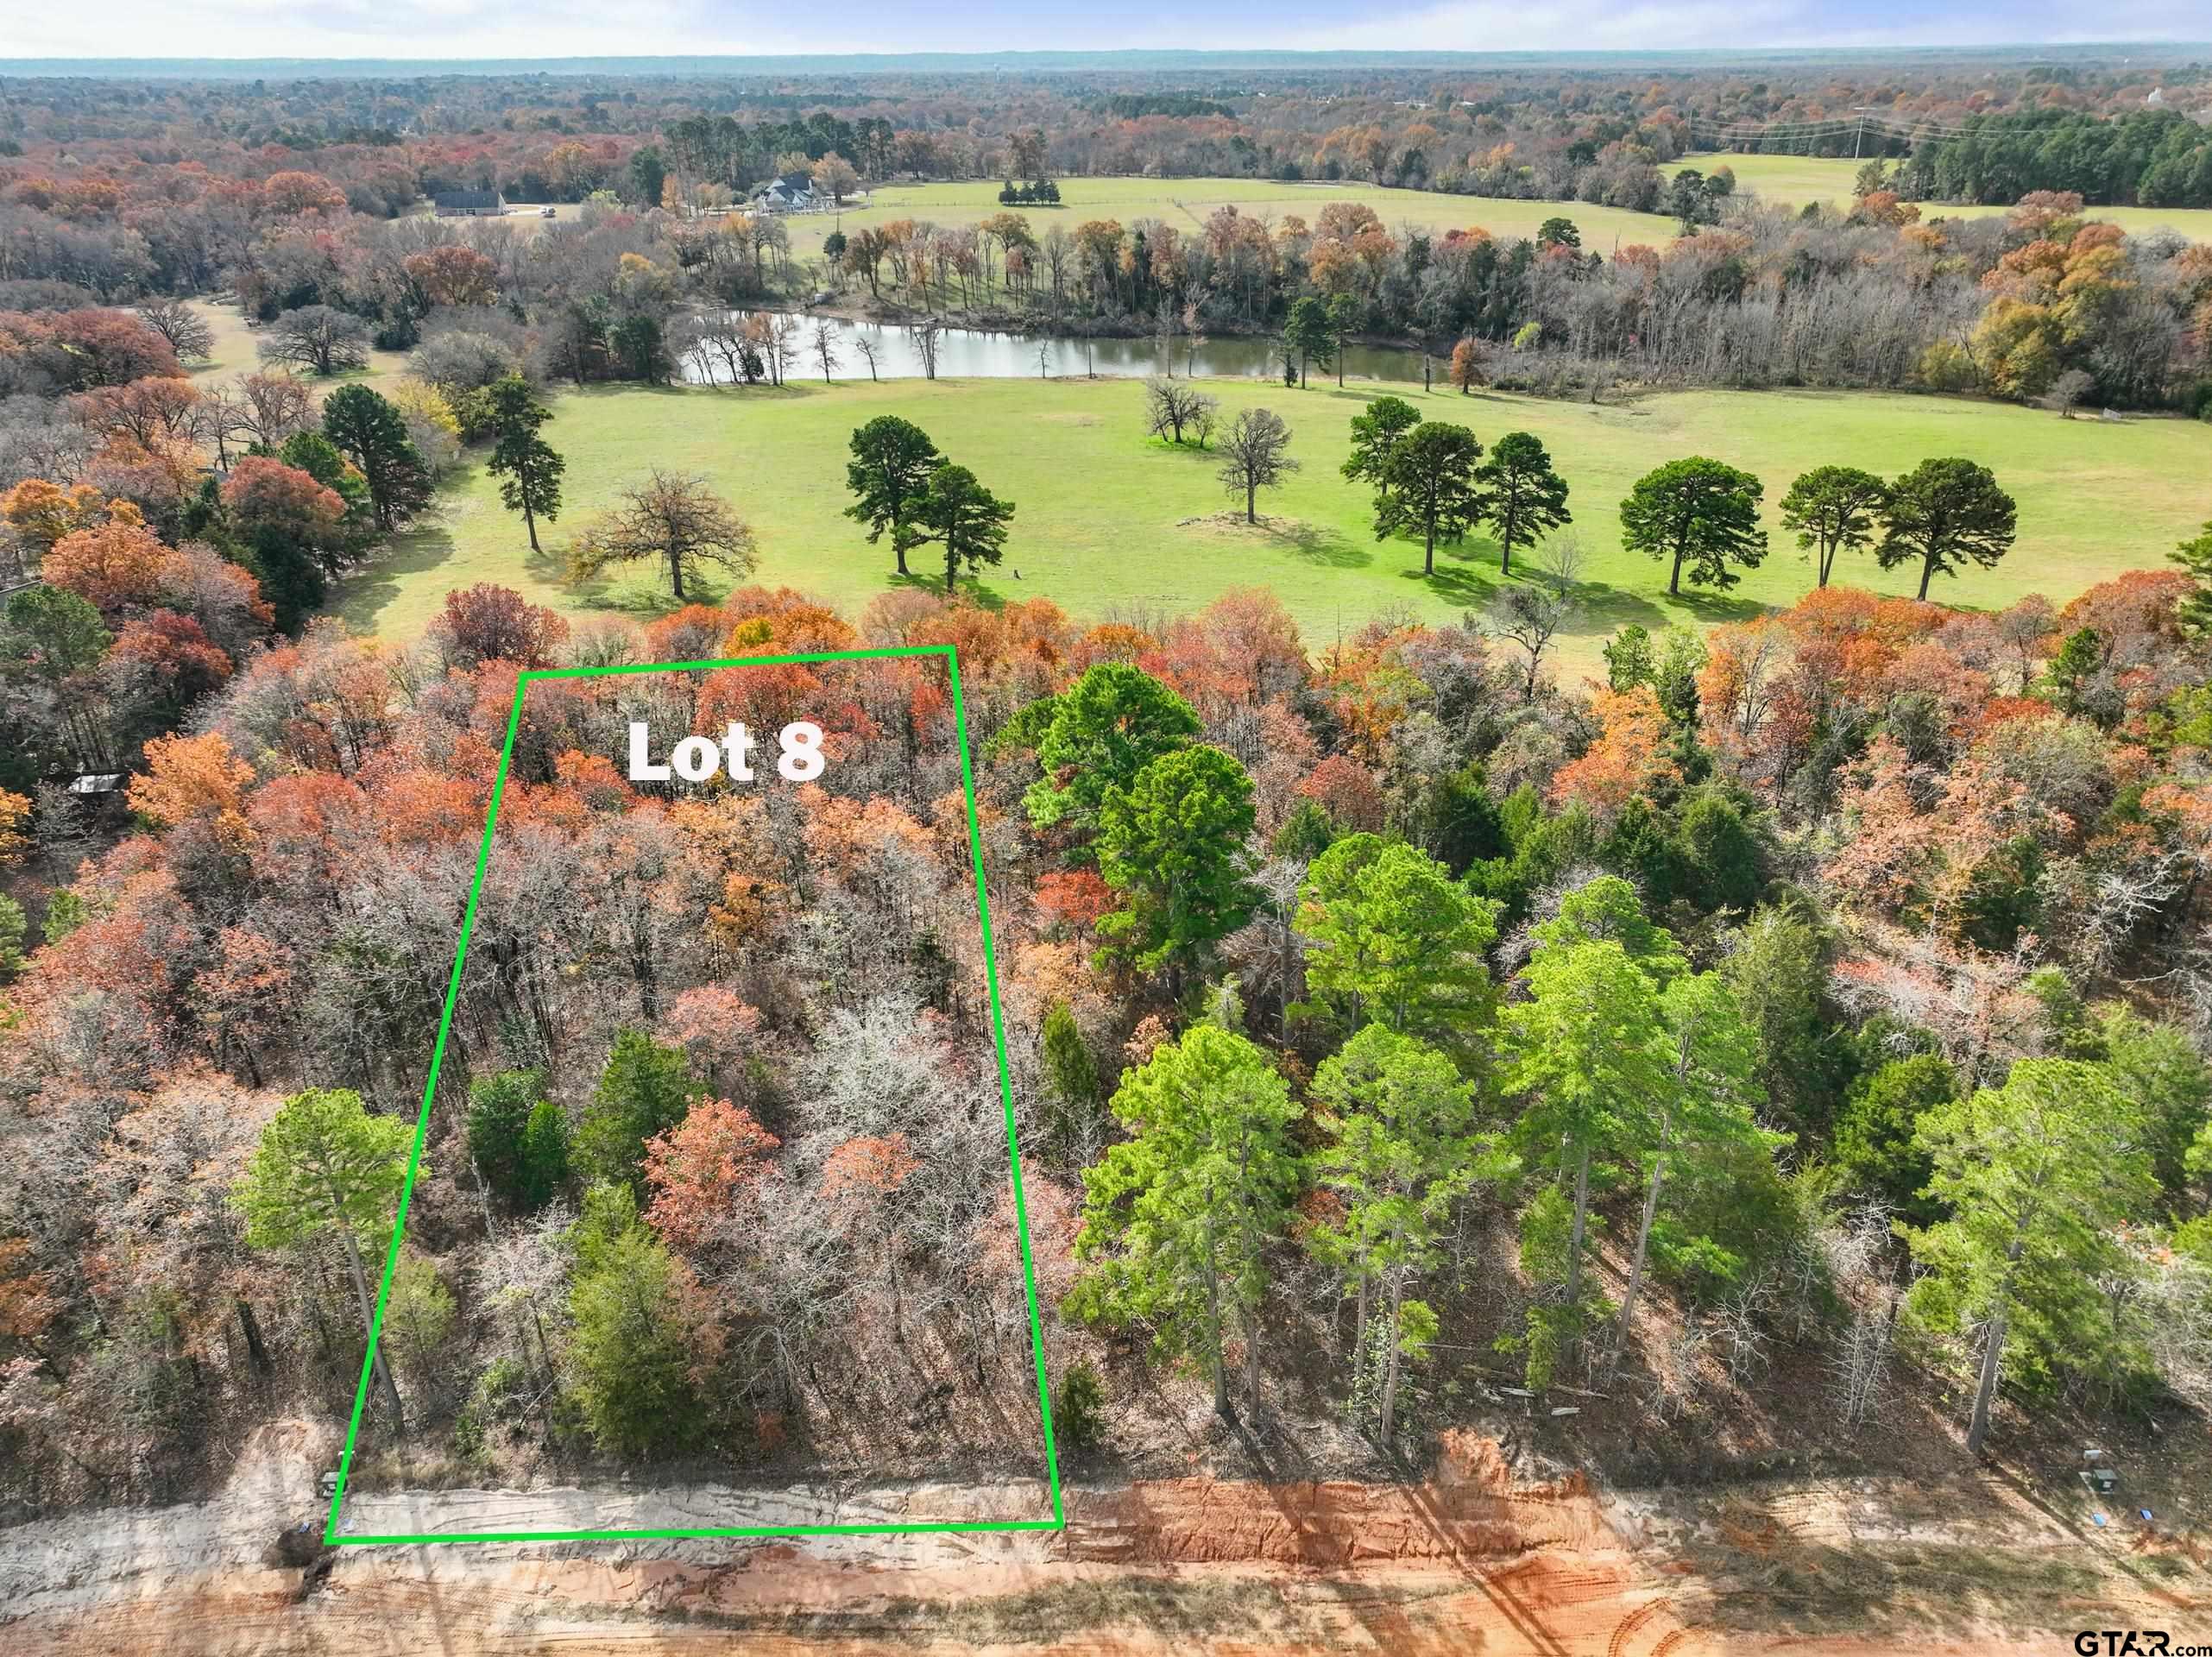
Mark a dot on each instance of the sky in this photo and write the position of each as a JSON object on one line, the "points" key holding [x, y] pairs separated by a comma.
{"points": [[544, 29]]}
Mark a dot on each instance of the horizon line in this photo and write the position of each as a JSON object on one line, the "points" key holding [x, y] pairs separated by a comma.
{"points": [[1396, 56]]}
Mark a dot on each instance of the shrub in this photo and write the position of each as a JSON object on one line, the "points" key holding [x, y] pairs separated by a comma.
{"points": [[1079, 1407]]}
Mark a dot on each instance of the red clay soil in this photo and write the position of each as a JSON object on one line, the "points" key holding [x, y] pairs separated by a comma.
{"points": [[1471, 1562], [1474, 1510]]}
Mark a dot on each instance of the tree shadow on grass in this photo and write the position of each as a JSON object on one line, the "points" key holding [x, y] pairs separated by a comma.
{"points": [[361, 596], [971, 590], [1156, 444], [649, 602], [1466, 570], [638, 590], [1712, 608], [1602, 607], [1463, 585], [1315, 544], [548, 564]]}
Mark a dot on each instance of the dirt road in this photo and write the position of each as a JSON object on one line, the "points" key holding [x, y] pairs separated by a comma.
{"points": [[1473, 1561]]}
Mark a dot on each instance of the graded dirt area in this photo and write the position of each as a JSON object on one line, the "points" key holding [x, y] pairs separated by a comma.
{"points": [[1472, 1560]]}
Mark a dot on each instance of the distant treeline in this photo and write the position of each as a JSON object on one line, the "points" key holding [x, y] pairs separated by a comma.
{"points": [[1129, 106], [2153, 158]]}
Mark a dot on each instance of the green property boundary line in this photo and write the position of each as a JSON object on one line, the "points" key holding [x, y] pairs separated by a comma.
{"points": [[523, 680]]}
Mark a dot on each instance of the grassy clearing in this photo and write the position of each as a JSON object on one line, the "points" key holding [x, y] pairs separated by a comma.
{"points": [[1186, 202], [1108, 517], [235, 350], [1797, 180]]}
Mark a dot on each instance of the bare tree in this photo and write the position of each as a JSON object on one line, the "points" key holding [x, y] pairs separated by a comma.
{"points": [[825, 347], [719, 337], [1255, 457], [1739, 1326], [2021, 629], [928, 334], [219, 417], [521, 1272], [689, 342], [318, 338], [1171, 406], [866, 348], [2067, 391], [1191, 339], [1058, 262], [783, 346], [184, 328], [672, 517], [1044, 358], [1530, 613], [1851, 1250], [272, 407]]}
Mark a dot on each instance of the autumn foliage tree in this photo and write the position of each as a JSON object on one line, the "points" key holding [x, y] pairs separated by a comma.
{"points": [[1466, 371], [42, 513], [290, 527], [111, 565], [489, 623], [701, 1173], [453, 274]]}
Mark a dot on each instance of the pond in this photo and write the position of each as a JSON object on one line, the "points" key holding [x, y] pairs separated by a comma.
{"points": [[979, 354]]}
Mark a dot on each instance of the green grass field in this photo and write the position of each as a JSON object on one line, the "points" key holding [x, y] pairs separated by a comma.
{"points": [[1186, 202], [1796, 179], [1108, 517]]}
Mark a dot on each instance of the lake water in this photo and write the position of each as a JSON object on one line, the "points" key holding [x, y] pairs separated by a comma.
{"points": [[977, 354]]}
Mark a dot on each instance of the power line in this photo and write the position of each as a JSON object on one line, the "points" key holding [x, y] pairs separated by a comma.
{"points": [[1905, 129], [1804, 134]]}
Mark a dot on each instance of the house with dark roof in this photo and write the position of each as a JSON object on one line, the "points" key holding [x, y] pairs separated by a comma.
{"points": [[469, 204], [789, 193]]}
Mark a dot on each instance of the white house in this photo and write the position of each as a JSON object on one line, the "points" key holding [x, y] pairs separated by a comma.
{"points": [[789, 192]]}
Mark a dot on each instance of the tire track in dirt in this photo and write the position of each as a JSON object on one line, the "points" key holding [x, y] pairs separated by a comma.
{"points": [[1618, 1645]]}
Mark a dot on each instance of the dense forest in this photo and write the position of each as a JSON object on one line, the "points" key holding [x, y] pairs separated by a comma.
{"points": [[1366, 1010], [2156, 157], [1449, 123]]}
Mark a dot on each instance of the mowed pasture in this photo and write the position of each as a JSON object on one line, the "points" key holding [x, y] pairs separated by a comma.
{"points": [[1186, 204], [1110, 520], [1794, 180]]}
